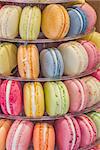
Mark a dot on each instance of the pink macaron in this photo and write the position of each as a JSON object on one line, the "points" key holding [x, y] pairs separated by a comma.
{"points": [[19, 136], [90, 14], [78, 93], [68, 135], [92, 53], [88, 130], [11, 97], [96, 74]]}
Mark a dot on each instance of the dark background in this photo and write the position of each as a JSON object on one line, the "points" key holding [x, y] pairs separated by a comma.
{"points": [[96, 5]]}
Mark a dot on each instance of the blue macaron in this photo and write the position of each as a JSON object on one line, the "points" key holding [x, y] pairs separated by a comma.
{"points": [[51, 63], [85, 21], [76, 22]]}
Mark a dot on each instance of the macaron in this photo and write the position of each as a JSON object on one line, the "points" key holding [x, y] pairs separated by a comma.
{"points": [[78, 21], [91, 50], [96, 74], [43, 137], [93, 37], [55, 21], [95, 116], [94, 90], [88, 130], [11, 97], [78, 93], [51, 63], [68, 134], [30, 22], [90, 14], [4, 129], [33, 99], [28, 61], [20, 135], [9, 21], [75, 58], [8, 52], [56, 98]]}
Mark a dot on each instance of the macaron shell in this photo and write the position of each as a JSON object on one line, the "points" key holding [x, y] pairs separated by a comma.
{"points": [[28, 61], [63, 134], [19, 128], [74, 94], [88, 129], [76, 24], [15, 97], [4, 129], [91, 16], [10, 14], [8, 52], [58, 28], [43, 136], [30, 23], [33, 99], [96, 119], [96, 74]]}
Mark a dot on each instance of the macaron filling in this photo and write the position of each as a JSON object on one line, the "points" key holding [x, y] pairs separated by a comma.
{"points": [[8, 90], [33, 100]]}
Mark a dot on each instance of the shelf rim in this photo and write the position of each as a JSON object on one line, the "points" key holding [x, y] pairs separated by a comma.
{"points": [[49, 118], [38, 1]]}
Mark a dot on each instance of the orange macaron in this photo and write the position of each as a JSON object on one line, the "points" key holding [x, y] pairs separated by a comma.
{"points": [[55, 21], [4, 128], [43, 137], [28, 61]]}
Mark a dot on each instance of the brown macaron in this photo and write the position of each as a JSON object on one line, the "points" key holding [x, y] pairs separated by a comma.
{"points": [[28, 61], [55, 21], [43, 137]]}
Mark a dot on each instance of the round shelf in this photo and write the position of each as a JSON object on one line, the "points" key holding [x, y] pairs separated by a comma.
{"points": [[43, 40], [48, 118], [63, 78], [38, 1]]}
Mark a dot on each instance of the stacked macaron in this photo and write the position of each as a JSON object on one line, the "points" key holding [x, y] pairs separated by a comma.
{"points": [[11, 97], [26, 22], [8, 58], [72, 133]]}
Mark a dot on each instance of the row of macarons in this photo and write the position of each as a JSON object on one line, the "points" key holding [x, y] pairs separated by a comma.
{"points": [[70, 58], [55, 21], [68, 133], [49, 98]]}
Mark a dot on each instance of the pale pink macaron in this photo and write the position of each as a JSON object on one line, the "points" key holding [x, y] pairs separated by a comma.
{"points": [[11, 97], [90, 14], [78, 93], [88, 130], [92, 52], [19, 136]]}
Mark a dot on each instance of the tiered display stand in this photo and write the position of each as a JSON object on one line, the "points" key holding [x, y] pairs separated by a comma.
{"points": [[42, 42]]}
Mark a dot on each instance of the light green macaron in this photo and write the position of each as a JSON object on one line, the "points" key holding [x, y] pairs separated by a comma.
{"points": [[95, 116], [30, 23], [56, 98]]}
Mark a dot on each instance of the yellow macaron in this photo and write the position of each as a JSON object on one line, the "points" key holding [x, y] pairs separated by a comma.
{"points": [[33, 99]]}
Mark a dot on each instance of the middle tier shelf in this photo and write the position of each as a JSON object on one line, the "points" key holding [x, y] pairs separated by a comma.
{"points": [[49, 118], [63, 78]]}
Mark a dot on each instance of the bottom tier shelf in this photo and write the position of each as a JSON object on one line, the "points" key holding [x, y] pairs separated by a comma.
{"points": [[48, 118]]}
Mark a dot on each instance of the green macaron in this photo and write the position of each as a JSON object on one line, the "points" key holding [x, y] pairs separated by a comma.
{"points": [[95, 116], [56, 98]]}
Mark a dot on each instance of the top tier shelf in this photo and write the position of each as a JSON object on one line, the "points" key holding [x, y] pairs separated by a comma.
{"points": [[38, 1]]}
